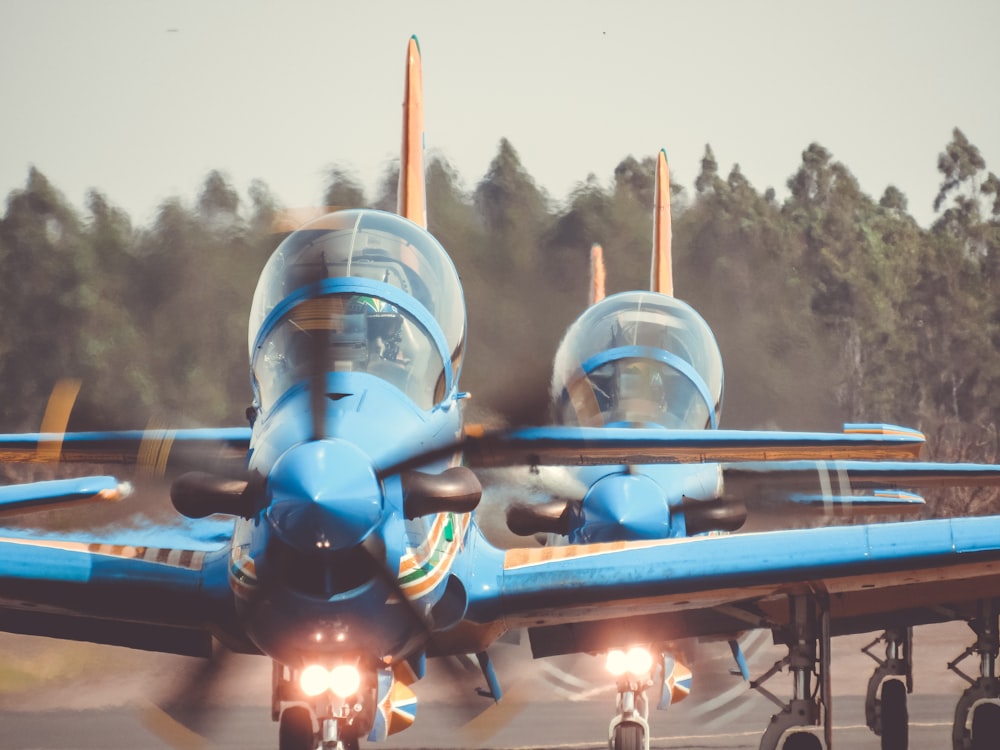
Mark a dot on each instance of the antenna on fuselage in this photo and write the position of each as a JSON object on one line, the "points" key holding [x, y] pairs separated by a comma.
{"points": [[661, 274], [412, 196]]}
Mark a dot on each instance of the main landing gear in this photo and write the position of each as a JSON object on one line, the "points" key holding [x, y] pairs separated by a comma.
{"points": [[886, 712], [807, 637], [808, 640], [977, 715]]}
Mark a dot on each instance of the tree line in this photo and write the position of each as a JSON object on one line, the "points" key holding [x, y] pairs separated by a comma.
{"points": [[829, 306]]}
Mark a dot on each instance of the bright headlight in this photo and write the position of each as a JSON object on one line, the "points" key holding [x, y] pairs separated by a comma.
{"points": [[314, 680], [345, 679], [639, 660], [616, 662]]}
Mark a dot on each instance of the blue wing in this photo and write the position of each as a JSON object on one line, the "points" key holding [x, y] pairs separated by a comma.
{"points": [[20, 498], [595, 446], [589, 597], [154, 588]]}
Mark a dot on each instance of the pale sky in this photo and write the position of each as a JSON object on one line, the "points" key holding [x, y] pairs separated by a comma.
{"points": [[142, 99]]}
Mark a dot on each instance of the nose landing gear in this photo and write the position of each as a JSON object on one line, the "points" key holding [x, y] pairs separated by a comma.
{"points": [[629, 729], [323, 721]]}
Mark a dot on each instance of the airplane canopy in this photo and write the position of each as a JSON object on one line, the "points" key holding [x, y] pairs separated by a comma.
{"points": [[358, 290], [638, 359]]}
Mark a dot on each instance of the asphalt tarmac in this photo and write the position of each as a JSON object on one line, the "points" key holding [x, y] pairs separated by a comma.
{"points": [[83, 697]]}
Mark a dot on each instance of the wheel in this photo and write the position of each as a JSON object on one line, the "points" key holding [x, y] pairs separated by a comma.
{"points": [[628, 736], [802, 741], [986, 727], [895, 719], [295, 730]]}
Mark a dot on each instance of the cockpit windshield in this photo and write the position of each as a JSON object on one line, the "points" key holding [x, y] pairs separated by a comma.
{"points": [[638, 359], [358, 291]]}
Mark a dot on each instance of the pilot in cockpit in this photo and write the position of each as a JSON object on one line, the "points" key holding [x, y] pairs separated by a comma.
{"points": [[384, 327]]}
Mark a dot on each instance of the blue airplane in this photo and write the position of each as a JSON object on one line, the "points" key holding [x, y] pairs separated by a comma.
{"points": [[354, 552]]}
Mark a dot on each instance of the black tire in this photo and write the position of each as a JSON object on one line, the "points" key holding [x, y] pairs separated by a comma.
{"points": [[802, 741], [628, 736], [895, 718], [295, 731], [986, 727]]}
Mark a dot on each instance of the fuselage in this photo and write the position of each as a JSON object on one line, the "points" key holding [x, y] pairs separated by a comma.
{"points": [[639, 359], [356, 337]]}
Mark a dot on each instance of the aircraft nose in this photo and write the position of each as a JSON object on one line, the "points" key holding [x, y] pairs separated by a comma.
{"points": [[324, 495], [630, 506]]}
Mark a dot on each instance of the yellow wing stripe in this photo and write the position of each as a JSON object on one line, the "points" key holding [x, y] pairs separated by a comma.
{"points": [[180, 558], [521, 558]]}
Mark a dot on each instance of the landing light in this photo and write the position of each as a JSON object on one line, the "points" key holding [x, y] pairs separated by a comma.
{"points": [[343, 680], [314, 680], [637, 661]]}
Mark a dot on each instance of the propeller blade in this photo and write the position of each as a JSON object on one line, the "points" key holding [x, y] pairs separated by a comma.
{"points": [[182, 715], [56, 418], [317, 385], [391, 579], [496, 717]]}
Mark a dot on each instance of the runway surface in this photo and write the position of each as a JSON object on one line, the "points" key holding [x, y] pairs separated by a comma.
{"points": [[83, 697]]}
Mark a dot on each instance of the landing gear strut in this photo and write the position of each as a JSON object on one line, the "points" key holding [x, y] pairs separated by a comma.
{"points": [[808, 642], [977, 715], [886, 714], [629, 729]]}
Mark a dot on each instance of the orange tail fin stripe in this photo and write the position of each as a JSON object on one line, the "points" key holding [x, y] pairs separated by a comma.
{"points": [[412, 202], [597, 274], [662, 278]]}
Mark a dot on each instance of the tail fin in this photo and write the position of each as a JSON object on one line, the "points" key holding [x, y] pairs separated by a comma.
{"points": [[596, 274], [412, 201], [661, 275]]}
